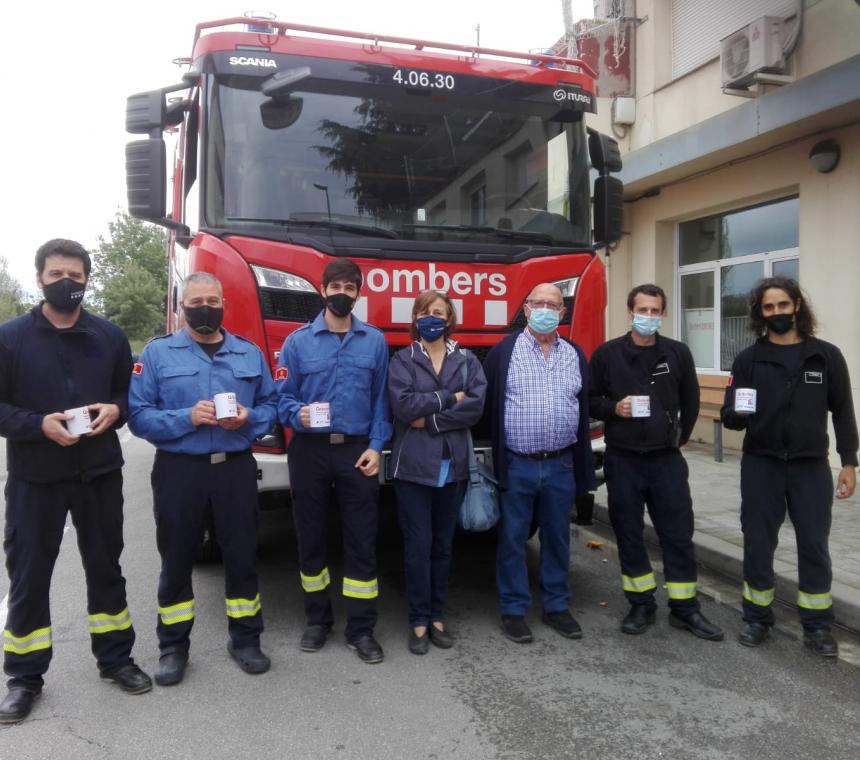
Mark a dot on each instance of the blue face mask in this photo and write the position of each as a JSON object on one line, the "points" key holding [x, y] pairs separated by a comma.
{"points": [[544, 320], [431, 328], [646, 326]]}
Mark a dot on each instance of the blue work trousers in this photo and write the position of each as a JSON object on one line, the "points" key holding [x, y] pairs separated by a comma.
{"points": [[548, 486]]}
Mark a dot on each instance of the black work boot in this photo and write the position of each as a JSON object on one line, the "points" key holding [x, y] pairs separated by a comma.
{"points": [[18, 703], [821, 641], [753, 634]]}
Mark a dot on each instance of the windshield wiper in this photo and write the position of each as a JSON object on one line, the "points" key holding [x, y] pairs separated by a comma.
{"points": [[360, 229], [542, 237]]}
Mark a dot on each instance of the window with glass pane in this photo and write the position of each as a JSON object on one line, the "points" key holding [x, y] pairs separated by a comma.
{"points": [[736, 281], [697, 316], [786, 268], [772, 227]]}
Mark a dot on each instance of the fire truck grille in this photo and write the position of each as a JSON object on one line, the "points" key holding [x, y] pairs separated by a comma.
{"points": [[290, 305]]}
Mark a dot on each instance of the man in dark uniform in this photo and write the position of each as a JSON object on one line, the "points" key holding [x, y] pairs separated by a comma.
{"points": [[797, 380], [204, 462], [341, 362], [644, 387], [60, 357]]}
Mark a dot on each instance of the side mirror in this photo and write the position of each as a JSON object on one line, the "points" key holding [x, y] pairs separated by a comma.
{"points": [[604, 152], [145, 112], [146, 178], [279, 113], [608, 210]]}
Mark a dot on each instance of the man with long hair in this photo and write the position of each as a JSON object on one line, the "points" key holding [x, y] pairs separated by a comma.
{"points": [[780, 392]]}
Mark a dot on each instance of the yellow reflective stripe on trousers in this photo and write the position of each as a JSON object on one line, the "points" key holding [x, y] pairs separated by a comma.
{"points": [[316, 582], [177, 613], [239, 608], [101, 622], [360, 589], [32, 642], [677, 590], [642, 583], [761, 597], [814, 601]]}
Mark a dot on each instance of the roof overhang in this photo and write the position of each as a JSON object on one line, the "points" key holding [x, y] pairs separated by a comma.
{"points": [[828, 99]]}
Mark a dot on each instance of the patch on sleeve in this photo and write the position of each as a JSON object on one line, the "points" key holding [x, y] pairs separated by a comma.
{"points": [[282, 373], [137, 369], [729, 381]]}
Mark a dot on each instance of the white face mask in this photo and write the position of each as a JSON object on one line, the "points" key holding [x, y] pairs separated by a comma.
{"points": [[646, 326]]}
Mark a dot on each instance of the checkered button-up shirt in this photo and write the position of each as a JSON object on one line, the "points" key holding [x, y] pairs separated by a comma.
{"points": [[541, 406]]}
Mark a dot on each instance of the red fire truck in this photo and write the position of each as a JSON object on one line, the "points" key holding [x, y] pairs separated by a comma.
{"points": [[430, 165]]}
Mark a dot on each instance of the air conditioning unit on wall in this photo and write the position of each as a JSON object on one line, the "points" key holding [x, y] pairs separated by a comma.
{"points": [[757, 48]]}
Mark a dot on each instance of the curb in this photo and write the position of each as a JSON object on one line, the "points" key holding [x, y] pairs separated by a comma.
{"points": [[726, 559]]}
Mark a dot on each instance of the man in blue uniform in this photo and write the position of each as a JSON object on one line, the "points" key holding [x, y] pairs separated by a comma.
{"points": [[797, 379], [204, 462], [59, 357], [338, 360]]}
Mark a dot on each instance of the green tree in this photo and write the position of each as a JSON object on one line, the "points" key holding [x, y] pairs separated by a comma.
{"points": [[129, 280], [11, 295]]}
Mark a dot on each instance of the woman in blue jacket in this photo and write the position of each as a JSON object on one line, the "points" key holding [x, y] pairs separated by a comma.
{"points": [[437, 393]]}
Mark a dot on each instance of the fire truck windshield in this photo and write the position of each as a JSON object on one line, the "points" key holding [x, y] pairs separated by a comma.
{"points": [[347, 149]]}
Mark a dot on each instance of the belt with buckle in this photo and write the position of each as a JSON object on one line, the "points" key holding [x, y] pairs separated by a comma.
{"points": [[216, 457], [542, 455], [336, 439]]}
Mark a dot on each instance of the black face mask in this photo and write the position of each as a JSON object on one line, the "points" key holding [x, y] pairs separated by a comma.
{"points": [[340, 304], [204, 320], [64, 295], [780, 323]]}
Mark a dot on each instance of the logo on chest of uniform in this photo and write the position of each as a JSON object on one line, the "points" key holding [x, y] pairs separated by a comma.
{"points": [[282, 373], [816, 378], [661, 369]]}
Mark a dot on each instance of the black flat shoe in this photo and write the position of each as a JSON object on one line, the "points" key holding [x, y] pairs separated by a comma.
{"points": [[17, 704], [697, 624], [130, 678], [821, 641], [171, 668], [516, 629], [638, 619], [250, 659], [440, 638], [418, 644], [367, 648], [562, 622], [314, 637], [753, 634]]}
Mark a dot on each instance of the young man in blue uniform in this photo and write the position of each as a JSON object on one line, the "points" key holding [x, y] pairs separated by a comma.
{"points": [[339, 360], [59, 357], [204, 462], [798, 379]]}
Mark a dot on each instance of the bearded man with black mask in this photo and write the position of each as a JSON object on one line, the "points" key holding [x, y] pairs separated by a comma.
{"points": [[332, 382], [54, 359], [177, 401], [780, 392]]}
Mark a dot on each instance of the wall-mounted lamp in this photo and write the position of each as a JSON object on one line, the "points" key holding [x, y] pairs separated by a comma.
{"points": [[825, 155]]}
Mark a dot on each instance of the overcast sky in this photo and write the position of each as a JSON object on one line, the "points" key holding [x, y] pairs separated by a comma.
{"points": [[69, 66]]}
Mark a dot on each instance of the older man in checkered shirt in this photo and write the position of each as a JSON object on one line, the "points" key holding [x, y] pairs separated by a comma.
{"points": [[537, 414]]}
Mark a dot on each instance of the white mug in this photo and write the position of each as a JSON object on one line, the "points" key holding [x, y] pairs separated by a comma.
{"points": [[640, 406], [320, 414], [225, 405], [80, 422], [745, 400]]}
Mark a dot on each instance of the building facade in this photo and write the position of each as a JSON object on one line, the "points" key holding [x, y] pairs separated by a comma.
{"points": [[741, 160]]}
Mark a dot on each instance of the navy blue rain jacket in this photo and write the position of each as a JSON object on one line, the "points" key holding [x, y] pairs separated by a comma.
{"points": [[415, 390]]}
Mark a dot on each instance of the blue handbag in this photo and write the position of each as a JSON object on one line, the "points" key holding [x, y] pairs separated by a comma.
{"points": [[480, 508]]}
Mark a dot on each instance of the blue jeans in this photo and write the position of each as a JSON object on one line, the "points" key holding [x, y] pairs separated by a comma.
{"points": [[547, 485], [428, 519]]}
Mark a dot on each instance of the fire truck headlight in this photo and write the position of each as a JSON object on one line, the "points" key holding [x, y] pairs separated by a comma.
{"points": [[567, 287], [274, 278]]}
